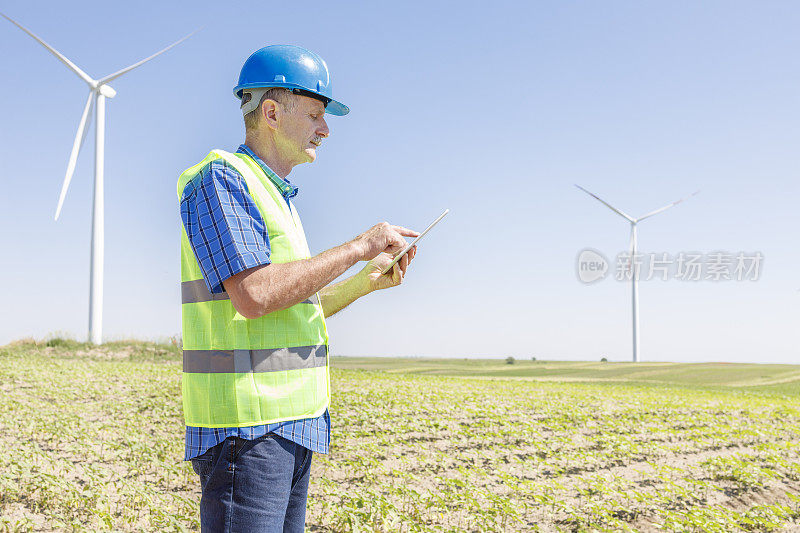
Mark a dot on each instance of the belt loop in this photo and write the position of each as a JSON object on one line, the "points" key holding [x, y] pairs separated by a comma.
{"points": [[232, 458]]}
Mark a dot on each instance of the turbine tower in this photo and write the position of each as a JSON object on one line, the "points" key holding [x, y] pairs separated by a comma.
{"points": [[634, 266], [99, 90]]}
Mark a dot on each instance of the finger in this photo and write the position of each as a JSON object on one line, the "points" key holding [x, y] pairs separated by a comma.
{"points": [[382, 260], [403, 264], [395, 243], [397, 276], [405, 231], [412, 252]]}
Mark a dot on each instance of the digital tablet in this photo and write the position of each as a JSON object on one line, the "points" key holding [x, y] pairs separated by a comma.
{"points": [[415, 241]]}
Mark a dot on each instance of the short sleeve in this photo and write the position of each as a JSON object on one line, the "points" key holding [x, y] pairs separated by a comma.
{"points": [[225, 228]]}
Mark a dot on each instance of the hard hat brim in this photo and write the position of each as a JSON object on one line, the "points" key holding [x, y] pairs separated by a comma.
{"points": [[337, 108]]}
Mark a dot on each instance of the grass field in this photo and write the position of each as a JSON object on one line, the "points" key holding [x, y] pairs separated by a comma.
{"points": [[768, 378], [92, 440]]}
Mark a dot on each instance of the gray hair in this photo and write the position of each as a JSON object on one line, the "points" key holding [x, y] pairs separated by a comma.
{"points": [[277, 94]]}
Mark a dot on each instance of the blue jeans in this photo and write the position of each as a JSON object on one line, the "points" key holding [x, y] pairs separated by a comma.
{"points": [[254, 485]]}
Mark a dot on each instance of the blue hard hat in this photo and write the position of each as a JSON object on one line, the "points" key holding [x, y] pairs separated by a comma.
{"points": [[292, 67]]}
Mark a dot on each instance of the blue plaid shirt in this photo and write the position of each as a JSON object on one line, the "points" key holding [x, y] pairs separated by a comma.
{"points": [[228, 235]]}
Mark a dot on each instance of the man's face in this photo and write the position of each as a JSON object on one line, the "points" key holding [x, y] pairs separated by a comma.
{"points": [[302, 130]]}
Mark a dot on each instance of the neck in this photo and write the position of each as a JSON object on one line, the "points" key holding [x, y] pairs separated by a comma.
{"points": [[265, 148]]}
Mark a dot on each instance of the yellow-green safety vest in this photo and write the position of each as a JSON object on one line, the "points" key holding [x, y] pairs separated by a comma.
{"points": [[241, 372]]}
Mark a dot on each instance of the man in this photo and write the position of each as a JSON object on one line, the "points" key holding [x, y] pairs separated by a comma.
{"points": [[255, 384]]}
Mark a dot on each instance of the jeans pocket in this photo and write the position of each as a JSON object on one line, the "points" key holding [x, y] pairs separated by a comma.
{"points": [[306, 457], [202, 464]]}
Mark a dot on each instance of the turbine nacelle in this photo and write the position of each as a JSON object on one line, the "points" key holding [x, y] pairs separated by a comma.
{"points": [[106, 91]]}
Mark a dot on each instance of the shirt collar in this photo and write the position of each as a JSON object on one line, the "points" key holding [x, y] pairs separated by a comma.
{"points": [[285, 186]]}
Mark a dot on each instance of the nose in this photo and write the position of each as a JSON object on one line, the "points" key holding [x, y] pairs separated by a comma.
{"points": [[323, 131]]}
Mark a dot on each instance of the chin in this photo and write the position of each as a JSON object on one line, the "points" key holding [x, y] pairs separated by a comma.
{"points": [[311, 154]]}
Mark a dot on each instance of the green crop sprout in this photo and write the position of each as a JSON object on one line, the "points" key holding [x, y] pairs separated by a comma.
{"points": [[411, 452]]}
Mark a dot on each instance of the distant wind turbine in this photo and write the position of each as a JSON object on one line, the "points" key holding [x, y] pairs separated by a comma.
{"points": [[99, 90], [634, 266]]}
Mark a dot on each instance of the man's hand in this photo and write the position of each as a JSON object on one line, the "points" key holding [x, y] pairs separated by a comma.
{"points": [[382, 238], [378, 245], [372, 271], [261, 290]]}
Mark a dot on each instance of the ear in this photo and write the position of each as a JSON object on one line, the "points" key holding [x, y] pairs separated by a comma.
{"points": [[271, 113]]}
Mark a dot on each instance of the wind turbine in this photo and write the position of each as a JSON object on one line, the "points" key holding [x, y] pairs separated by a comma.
{"points": [[634, 266], [99, 90]]}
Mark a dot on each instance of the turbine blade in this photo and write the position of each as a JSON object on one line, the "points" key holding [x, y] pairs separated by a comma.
{"points": [[88, 119], [76, 147], [617, 211], [673, 204], [85, 77], [119, 73]]}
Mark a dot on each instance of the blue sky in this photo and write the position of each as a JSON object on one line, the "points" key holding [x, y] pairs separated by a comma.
{"points": [[492, 110]]}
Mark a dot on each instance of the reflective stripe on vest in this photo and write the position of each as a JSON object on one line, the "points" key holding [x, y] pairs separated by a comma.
{"points": [[243, 372], [212, 361]]}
